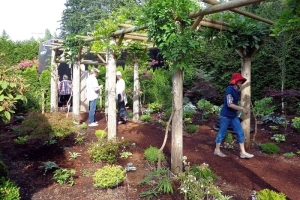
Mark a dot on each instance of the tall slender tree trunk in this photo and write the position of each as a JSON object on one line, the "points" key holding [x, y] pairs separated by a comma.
{"points": [[177, 124], [110, 92], [136, 93], [54, 84]]}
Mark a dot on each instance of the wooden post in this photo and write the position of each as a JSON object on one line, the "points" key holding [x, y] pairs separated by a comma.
{"points": [[54, 83], [246, 97], [136, 93], [177, 124], [84, 103], [111, 96]]}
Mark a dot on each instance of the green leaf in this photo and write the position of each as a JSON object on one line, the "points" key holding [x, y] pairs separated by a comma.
{"points": [[2, 97], [4, 84], [12, 84], [7, 115]]}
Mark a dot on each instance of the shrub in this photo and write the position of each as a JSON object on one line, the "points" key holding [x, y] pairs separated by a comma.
{"points": [[229, 138], [278, 137], [267, 194], [146, 118], [64, 176], [263, 107], [167, 113], [151, 154], [155, 106], [103, 151], [189, 106], [3, 170], [191, 128], [274, 119], [109, 176], [100, 134], [84, 125], [9, 190], [187, 113], [270, 148], [296, 123], [206, 107]]}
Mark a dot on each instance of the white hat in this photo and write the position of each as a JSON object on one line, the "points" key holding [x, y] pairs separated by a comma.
{"points": [[95, 70], [118, 73]]}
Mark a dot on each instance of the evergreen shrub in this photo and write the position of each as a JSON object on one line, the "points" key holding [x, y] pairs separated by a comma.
{"points": [[270, 148]]}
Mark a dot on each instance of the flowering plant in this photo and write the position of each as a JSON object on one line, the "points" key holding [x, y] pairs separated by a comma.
{"points": [[23, 64]]}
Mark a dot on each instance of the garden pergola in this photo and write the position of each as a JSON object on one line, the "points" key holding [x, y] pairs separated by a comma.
{"points": [[128, 32]]}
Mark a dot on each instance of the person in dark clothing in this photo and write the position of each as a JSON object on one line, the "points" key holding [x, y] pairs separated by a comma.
{"points": [[121, 97], [229, 116]]}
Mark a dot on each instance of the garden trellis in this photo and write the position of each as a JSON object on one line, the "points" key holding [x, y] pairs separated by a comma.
{"points": [[128, 32]]}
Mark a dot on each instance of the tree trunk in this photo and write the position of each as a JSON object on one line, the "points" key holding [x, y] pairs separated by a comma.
{"points": [[177, 144], [54, 84], [246, 97], [111, 95], [136, 93]]}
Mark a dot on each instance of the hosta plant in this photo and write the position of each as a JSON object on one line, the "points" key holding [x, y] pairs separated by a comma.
{"points": [[278, 137]]}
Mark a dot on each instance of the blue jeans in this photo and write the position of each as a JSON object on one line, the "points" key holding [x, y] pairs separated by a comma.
{"points": [[236, 125], [92, 110]]}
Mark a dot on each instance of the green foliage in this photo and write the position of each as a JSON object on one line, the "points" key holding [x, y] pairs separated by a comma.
{"points": [[156, 86], [45, 84], [103, 151], [12, 88], [84, 125], [3, 169], [289, 154], [21, 140], [229, 138], [189, 107], [125, 154], [191, 128], [274, 119], [198, 183], [109, 176], [263, 107], [72, 46], [64, 176], [151, 154], [101, 134], [278, 137], [155, 106], [74, 155], [188, 113], [206, 107], [270, 148], [47, 126], [9, 190], [146, 118], [49, 165], [274, 128], [267, 194], [160, 181], [176, 43], [296, 123]]}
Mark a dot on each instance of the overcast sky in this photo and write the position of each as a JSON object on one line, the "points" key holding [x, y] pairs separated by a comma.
{"points": [[23, 19]]}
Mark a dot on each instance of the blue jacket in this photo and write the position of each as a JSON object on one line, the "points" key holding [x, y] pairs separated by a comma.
{"points": [[227, 111]]}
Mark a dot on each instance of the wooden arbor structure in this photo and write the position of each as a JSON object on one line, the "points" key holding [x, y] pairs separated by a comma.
{"points": [[110, 62]]}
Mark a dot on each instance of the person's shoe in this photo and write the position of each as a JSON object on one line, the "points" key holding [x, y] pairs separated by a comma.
{"points": [[96, 122], [246, 155], [220, 154], [93, 124], [120, 122]]}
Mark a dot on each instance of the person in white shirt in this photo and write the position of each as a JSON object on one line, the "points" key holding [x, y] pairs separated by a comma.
{"points": [[92, 89], [121, 97]]}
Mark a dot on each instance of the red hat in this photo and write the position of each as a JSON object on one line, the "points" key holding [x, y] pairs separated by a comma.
{"points": [[237, 77]]}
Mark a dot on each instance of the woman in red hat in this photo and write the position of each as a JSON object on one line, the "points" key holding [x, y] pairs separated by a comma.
{"points": [[229, 116]]}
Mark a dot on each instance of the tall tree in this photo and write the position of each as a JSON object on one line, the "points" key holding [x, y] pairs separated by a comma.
{"points": [[80, 16]]}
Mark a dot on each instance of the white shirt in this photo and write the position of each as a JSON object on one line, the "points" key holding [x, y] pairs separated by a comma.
{"points": [[120, 87], [92, 91]]}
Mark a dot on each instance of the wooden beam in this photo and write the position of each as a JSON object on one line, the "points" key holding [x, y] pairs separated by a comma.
{"points": [[137, 34], [215, 26], [215, 21], [120, 40], [236, 10], [197, 21], [100, 57], [135, 37], [222, 7]]}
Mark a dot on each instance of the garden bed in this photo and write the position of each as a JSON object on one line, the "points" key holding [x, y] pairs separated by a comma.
{"points": [[236, 177]]}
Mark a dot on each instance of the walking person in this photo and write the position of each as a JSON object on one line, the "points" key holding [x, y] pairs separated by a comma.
{"points": [[228, 116], [92, 89], [65, 90], [122, 99]]}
